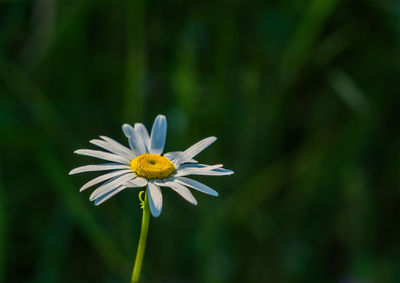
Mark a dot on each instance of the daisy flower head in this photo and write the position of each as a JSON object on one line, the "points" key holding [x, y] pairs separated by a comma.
{"points": [[144, 164]]}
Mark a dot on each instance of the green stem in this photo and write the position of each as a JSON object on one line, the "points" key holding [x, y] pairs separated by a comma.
{"points": [[142, 241]]}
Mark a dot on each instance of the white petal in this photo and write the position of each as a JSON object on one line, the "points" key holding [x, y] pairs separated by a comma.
{"points": [[196, 149], [222, 171], [199, 166], [142, 132], [177, 155], [214, 172], [117, 144], [104, 177], [135, 141], [196, 185], [98, 167], [173, 155], [103, 155], [200, 169], [182, 190], [137, 182], [113, 183], [155, 199], [109, 194], [158, 135], [114, 147]]}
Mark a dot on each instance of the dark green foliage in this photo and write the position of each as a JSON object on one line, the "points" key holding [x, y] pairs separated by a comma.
{"points": [[303, 96]]}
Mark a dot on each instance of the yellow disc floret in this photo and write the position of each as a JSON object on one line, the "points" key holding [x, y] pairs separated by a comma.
{"points": [[152, 166]]}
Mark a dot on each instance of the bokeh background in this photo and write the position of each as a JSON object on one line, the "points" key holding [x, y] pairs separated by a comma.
{"points": [[303, 96]]}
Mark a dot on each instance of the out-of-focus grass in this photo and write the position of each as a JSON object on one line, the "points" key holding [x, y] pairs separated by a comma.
{"points": [[304, 37], [303, 96], [3, 231], [42, 110], [135, 62]]}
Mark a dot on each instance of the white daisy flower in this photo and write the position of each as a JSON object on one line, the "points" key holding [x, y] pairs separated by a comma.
{"points": [[145, 165]]}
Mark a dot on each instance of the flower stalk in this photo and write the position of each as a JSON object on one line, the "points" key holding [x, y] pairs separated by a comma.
{"points": [[142, 239]]}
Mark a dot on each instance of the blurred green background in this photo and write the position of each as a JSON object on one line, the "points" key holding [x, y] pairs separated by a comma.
{"points": [[303, 96]]}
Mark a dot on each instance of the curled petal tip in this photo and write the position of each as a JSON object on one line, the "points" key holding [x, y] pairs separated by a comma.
{"points": [[126, 128], [155, 214], [212, 139]]}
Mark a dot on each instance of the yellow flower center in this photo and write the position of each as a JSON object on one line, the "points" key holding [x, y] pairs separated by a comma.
{"points": [[152, 166]]}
